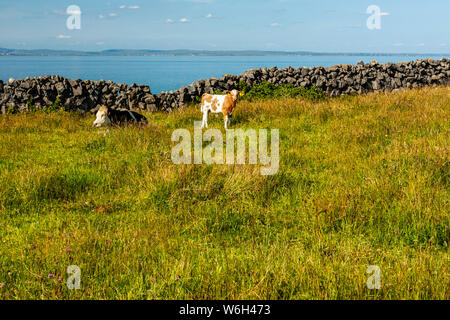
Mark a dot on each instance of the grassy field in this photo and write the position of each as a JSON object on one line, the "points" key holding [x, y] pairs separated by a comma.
{"points": [[362, 181]]}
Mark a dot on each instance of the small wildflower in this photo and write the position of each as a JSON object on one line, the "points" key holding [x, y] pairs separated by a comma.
{"points": [[50, 276], [34, 246], [69, 250], [2, 285], [57, 261]]}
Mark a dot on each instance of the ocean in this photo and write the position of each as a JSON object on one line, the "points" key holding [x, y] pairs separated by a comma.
{"points": [[164, 73]]}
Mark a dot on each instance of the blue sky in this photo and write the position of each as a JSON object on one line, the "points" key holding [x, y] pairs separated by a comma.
{"points": [[287, 25]]}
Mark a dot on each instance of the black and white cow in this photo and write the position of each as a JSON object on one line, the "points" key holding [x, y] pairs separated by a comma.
{"points": [[108, 117]]}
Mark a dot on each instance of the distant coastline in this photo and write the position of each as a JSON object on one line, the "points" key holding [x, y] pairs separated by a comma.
{"points": [[183, 52]]}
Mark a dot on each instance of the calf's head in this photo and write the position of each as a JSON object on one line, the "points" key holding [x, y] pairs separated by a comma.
{"points": [[102, 117], [235, 94]]}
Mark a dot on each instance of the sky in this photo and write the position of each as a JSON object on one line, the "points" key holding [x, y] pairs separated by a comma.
{"points": [[283, 25]]}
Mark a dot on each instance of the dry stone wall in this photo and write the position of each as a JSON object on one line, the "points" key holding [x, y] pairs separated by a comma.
{"points": [[23, 95]]}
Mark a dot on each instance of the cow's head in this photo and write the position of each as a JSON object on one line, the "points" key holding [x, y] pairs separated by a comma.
{"points": [[235, 94], [102, 117]]}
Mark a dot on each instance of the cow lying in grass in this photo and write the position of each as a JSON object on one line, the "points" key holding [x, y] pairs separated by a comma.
{"points": [[224, 104], [108, 117]]}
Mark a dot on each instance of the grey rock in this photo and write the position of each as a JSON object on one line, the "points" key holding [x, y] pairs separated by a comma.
{"points": [[375, 85]]}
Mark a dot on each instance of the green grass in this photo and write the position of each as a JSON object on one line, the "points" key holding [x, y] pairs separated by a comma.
{"points": [[363, 181], [267, 90]]}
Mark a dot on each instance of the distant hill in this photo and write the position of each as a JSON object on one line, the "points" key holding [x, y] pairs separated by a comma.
{"points": [[185, 52]]}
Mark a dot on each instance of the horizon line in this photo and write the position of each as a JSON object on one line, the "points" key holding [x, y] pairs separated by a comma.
{"points": [[8, 51]]}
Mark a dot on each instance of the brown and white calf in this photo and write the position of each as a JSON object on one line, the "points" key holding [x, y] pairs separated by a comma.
{"points": [[108, 117], [224, 104]]}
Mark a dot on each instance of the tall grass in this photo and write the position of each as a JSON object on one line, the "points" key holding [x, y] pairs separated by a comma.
{"points": [[363, 181]]}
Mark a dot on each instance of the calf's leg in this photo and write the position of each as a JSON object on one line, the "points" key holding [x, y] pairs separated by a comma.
{"points": [[225, 120], [205, 119]]}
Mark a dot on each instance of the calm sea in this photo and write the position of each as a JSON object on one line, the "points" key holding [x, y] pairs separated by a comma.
{"points": [[164, 73]]}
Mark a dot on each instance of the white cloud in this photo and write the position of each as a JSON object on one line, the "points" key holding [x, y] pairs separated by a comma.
{"points": [[109, 15], [100, 43], [275, 24], [399, 44], [421, 44], [129, 7], [209, 16], [182, 20], [443, 44], [61, 36]]}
